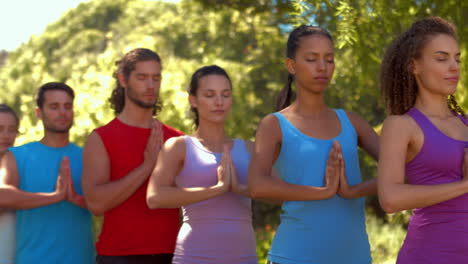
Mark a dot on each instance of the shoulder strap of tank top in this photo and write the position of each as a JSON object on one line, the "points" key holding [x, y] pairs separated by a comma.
{"points": [[462, 118], [423, 122], [343, 118]]}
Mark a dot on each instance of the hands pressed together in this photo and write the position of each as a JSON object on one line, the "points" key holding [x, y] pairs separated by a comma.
{"points": [[335, 174], [154, 145], [64, 188], [227, 174]]}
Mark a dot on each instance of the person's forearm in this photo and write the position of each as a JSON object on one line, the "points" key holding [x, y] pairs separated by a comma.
{"points": [[276, 189], [102, 197], [13, 198], [174, 197], [399, 197], [365, 188]]}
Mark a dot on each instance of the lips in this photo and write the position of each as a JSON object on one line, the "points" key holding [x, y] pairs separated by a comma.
{"points": [[452, 79], [321, 79]]}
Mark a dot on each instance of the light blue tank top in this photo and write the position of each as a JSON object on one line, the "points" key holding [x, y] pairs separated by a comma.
{"points": [[324, 231], [56, 233]]}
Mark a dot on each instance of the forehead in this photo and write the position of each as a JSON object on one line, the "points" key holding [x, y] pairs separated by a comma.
{"points": [[214, 82], [442, 42], [7, 119], [147, 67], [315, 43], [57, 96]]}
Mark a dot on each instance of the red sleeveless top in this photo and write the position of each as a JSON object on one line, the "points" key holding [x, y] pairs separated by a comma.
{"points": [[132, 228]]}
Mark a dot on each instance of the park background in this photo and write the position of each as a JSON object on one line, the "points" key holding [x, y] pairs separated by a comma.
{"points": [[248, 39]]}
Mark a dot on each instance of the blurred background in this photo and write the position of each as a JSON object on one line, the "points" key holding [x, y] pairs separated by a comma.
{"points": [[77, 42]]}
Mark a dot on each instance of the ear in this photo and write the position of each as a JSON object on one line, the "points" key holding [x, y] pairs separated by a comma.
{"points": [[193, 101], [414, 67], [38, 113], [121, 79], [290, 66]]}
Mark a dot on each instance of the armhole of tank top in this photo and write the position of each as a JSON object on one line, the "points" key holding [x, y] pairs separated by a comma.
{"points": [[278, 117], [346, 124], [243, 144], [187, 141]]}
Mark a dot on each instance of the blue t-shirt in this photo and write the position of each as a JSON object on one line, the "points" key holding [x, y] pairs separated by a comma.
{"points": [[56, 233], [323, 231]]}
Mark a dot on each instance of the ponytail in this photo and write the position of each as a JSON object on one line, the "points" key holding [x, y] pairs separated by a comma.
{"points": [[286, 94]]}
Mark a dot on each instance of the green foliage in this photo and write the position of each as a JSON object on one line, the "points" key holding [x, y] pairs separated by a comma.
{"points": [[247, 38]]}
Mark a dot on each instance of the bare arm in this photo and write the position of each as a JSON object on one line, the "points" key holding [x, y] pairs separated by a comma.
{"points": [[14, 198], [396, 195], [102, 194], [162, 190], [260, 181], [369, 141]]}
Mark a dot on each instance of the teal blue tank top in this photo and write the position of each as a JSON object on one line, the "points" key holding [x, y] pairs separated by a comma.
{"points": [[324, 231], [60, 232]]}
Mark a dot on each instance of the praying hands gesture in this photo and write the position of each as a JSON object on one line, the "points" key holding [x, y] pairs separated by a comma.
{"points": [[64, 185], [227, 174]]}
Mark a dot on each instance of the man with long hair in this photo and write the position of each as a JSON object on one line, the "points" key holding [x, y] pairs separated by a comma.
{"points": [[118, 160]]}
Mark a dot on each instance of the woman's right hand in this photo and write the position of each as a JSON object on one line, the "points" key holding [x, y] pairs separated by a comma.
{"points": [[333, 169], [224, 170]]}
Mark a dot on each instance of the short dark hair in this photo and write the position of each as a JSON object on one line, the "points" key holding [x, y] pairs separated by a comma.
{"points": [[125, 66], [52, 86]]}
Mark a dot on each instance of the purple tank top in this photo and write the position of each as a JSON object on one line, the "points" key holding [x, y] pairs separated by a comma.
{"points": [[436, 233], [217, 230]]}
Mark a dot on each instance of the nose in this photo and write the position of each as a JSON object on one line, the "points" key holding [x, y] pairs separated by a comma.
{"points": [[321, 65], [150, 84], [454, 65], [219, 100]]}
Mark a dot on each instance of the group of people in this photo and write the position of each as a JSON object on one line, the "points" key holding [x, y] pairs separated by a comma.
{"points": [[137, 171]]}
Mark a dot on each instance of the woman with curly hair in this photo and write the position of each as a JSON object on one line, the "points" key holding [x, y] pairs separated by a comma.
{"points": [[423, 161]]}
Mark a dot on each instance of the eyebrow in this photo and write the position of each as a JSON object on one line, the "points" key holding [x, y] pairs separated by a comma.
{"points": [[446, 53], [317, 53]]}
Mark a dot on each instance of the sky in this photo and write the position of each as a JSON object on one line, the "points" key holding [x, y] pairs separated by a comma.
{"points": [[20, 19]]}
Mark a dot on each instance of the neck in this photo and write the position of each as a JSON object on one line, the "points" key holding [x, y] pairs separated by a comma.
{"points": [[211, 132], [435, 106], [309, 104], [56, 140], [133, 115]]}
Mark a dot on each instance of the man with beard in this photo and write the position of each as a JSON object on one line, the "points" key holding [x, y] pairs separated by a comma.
{"points": [[118, 160], [41, 180]]}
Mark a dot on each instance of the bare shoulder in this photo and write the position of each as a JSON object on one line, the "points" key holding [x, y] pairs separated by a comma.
{"points": [[399, 125], [94, 145], [175, 146], [8, 170], [356, 119], [270, 124]]}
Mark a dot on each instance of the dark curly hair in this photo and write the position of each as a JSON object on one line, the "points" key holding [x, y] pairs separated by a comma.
{"points": [[397, 82], [286, 95], [195, 83], [125, 66]]}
